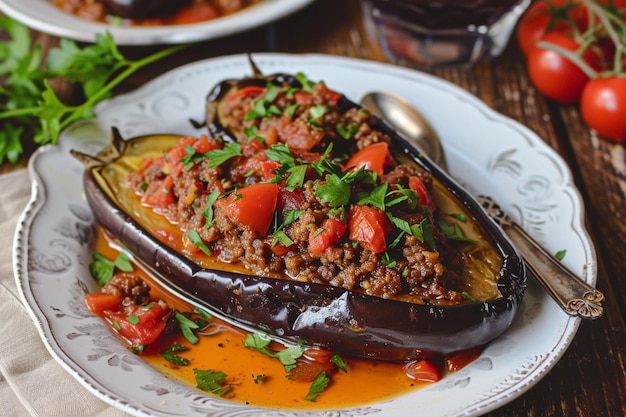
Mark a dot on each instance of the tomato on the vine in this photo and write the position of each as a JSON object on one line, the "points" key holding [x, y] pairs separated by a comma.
{"points": [[603, 107], [546, 16], [554, 75]]}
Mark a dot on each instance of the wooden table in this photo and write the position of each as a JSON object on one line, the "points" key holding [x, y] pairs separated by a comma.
{"points": [[590, 379]]}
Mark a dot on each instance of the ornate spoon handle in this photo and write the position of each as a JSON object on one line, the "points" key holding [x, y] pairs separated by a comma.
{"points": [[574, 296]]}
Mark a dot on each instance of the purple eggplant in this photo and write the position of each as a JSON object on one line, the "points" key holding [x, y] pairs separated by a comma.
{"points": [[338, 319]]}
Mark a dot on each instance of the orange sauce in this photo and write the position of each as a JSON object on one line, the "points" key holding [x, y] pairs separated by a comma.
{"points": [[257, 379]]}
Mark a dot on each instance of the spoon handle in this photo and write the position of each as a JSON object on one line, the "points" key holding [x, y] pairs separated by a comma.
{"points": [[574, 296]]}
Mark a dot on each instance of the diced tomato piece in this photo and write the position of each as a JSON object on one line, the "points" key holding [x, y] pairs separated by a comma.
{"points": [[160, 193], [303, 98], [332, 97], [423, 370], [143, 326], [173, 165], [251, 206], [369, 226], [374, 157], [298, 136], [291, 200], [204, 145], [247, 91], [425, 199], [99, 302], [332, 230], [278, 248]]}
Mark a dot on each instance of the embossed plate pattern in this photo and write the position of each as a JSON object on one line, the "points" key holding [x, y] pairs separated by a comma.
{"points": [[42, 15], [487, 152]]}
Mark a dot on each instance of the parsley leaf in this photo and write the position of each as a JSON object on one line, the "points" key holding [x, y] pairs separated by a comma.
{"points": [[208, 210], [194, 237], [218, 156], [29, 107], [287, 357], [318, 385], [335, 192], [102, 268], [187, 326], [170, 356], [212, 381]]}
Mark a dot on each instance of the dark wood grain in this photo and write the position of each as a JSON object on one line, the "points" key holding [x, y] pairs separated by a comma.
{"points": [[590, 379]]}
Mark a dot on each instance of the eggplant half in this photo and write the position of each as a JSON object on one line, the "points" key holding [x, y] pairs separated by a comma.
{"points": [[347, 321]]}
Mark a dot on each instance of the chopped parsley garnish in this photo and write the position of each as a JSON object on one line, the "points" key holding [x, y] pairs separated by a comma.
{"points": [[208, 210], [218, 156], [338, 361], [453, 231], [212, 381], [469, 297], [318, 386], [287, 357], [170, 356], [347, 132], [102, 268], [194, 237], [187, 327], [335, 192], [263, 106], [560, 254]]}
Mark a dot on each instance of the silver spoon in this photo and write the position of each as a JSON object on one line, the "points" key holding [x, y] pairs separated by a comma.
{"points": [[572, 294]]}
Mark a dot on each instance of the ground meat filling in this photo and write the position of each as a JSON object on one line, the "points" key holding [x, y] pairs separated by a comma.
{"points": [[408, 267]]}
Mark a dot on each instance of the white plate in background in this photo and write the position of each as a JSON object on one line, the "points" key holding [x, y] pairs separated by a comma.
{"points": [[45, 17]]}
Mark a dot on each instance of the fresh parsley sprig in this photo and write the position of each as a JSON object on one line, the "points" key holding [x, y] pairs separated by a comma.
{"points": [[30, 108]]}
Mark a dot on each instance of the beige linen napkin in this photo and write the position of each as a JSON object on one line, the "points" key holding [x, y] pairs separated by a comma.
{"points": [[32, 383]]}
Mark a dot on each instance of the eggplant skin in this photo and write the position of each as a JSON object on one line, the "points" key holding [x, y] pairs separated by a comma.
{"points": [[337, 319]]}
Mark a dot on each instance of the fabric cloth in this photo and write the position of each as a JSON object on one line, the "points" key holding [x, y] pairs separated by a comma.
{"points": [[32, 383]]}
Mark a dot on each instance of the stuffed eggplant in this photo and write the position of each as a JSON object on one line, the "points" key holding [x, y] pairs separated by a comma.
{"points": [[303, 215]]}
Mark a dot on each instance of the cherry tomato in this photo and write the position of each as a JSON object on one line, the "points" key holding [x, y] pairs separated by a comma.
{"points": [[369, 226], [556, 76], [142, 325], [374, 157], [540, 18], [323, 237], [547, 16], [99, 302], [423, 370], [251, 206], [603, 107]]}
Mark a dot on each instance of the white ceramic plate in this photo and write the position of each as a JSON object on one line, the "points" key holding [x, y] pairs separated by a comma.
{"points": [[487, 152], [43, 16]]}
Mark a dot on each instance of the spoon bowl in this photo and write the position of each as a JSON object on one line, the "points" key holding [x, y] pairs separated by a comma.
{"points": [[407, 121]]}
